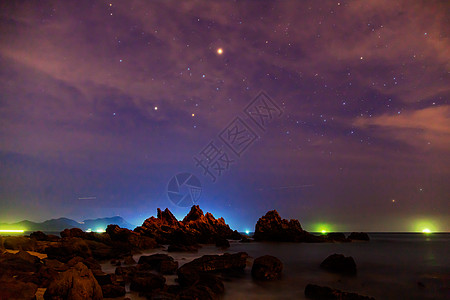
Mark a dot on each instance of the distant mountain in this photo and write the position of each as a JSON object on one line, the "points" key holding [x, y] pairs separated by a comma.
{"points": [[63, 223]]}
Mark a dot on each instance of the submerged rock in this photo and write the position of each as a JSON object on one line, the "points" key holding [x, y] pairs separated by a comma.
{"points": [[360, 236], [339, 263], [313, 291], [146, 282], [267, 267]]}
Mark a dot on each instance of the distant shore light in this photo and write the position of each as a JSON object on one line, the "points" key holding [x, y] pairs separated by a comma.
{"points": [[426, 230], [324, 231], [100, 230], [247, 232], [12, 230]]}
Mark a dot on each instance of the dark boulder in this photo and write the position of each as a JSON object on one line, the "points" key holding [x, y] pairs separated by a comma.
{"points": [[75, 283], [222, 243], [19, 262], [129, 260], [19, 243], [73, 232], [39, 236], [360, 236], [113, 291], [68, 248], [267, 267], [339, 263], [272, 228], [162, 263], [336, 237], [10, 288], [190, 273], [146, 282], [313, 291]]}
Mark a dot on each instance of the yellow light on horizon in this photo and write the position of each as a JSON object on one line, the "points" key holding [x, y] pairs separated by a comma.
{"points": [[324, 231], [12, 230], [426, 230]]}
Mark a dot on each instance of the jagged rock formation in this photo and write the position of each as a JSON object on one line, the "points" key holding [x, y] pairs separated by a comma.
{"points": [[272, 228], [196, 227]]}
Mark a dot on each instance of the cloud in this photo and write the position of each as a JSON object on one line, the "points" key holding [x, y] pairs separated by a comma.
{"points": [[423, 128]]}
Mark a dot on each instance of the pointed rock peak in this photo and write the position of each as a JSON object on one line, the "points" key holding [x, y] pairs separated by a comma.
{"points": [[272, 214], [167, 216], [195, 214]]}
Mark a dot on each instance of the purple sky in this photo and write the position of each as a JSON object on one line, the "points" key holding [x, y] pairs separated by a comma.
{"points": [[363, 142]]}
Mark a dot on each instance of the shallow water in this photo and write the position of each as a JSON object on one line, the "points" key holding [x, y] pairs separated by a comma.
{"points": [[389, 267]]}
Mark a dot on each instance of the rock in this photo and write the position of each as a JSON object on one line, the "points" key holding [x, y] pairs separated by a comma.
{"points": [[130, 239], [336, 236], [360, 236], [338, 263], [245, 240], [313, 291], [19, 243], [68, 248], [267, 267], [222, 243], [75, 283], [129, 260], [39, 236], [146, 282], [236, 236], [113, 291], [11, 288], [162, 263], [126, 272], [272, 228], [19, 262], [73, 232], [101, 277], [208, 286], [189, 273], [55, 265], [195, 228]]}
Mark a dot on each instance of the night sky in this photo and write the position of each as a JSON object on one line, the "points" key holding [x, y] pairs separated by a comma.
{"points": [[102, 103]]}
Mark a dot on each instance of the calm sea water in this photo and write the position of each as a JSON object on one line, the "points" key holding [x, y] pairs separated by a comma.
{"points": [[390, 266]]}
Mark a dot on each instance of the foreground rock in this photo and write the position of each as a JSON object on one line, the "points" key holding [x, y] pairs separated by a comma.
{"points": [[75, 283], [272, 228], [267, 267], [361, 236], [162, 263], [313, 291], [339, 263], [10, 288], [195, 228], [191, 272]]}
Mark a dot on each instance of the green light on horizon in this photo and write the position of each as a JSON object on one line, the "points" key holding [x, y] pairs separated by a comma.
{"points": [[324, 231], [426, 231], [12, 230], [100, 230]]}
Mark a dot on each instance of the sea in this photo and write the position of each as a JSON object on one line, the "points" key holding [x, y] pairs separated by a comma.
{"points": [[389, 266]]}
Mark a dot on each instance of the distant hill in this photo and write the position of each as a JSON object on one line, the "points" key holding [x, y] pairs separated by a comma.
{"points": [[63, 223]]}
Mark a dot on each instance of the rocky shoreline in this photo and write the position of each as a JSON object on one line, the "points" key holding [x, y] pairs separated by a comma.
{"points": [[42, 266]]}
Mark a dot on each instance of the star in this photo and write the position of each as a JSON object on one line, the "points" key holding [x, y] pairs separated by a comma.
{"points": [[156, 107], [220, 51]]}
